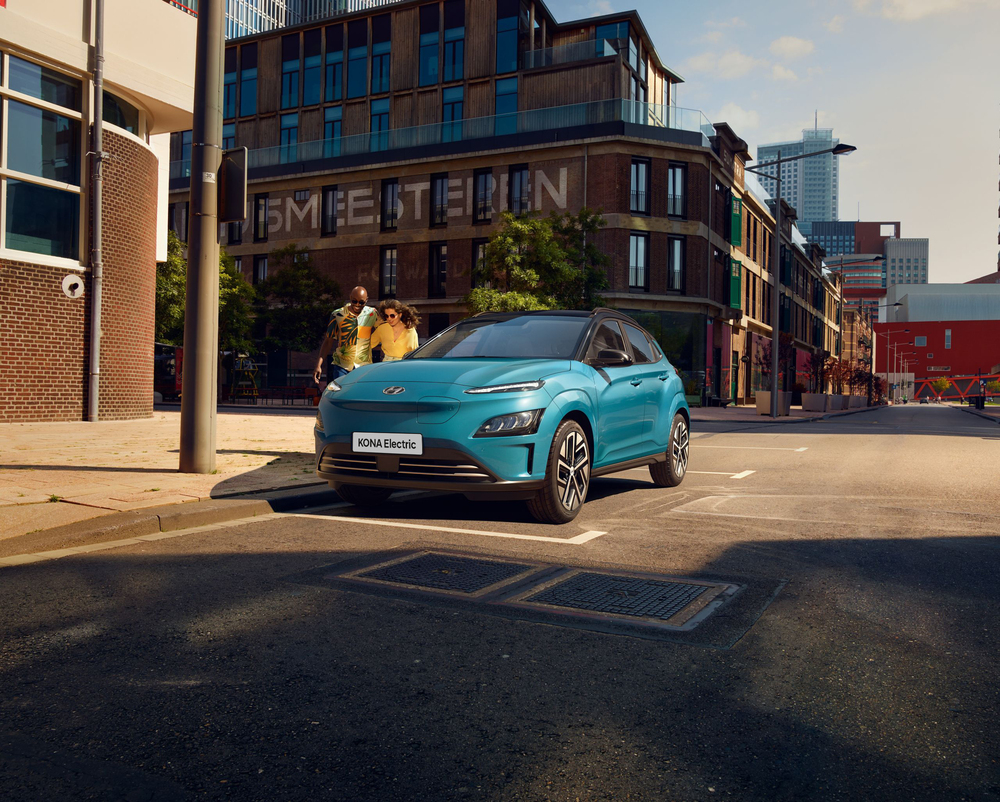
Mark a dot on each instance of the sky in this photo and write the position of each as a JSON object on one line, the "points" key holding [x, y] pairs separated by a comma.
{"points": [[913, 84]]}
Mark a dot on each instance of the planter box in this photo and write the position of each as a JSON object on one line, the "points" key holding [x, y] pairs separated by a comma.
{"points": [[815, 402], [693, 400], [857, 402], [764, 403]]}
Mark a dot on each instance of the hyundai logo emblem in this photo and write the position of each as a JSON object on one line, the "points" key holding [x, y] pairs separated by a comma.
{"points": [[394, 390]]}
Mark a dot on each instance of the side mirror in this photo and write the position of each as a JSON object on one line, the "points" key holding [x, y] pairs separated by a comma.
{"points": [[612, 358]]}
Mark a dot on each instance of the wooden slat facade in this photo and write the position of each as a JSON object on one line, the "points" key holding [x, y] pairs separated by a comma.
{"points": [[356, 118], [310, 125], [480, 38], [550, 88], [428, 107], [479, 99], [268, 132], [269, 75], [405, 43], [401, 114]]}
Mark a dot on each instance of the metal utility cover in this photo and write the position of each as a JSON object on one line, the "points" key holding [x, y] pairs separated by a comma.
{"points": [[443, 572], [637, 598]]}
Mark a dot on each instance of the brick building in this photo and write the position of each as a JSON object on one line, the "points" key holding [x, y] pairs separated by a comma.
{"points": [[46, 92], [388, 141]]}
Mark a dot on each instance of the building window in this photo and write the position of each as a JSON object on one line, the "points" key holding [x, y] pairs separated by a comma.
{"points": [[312, 42], [381, 52], [387, 272], [177, 219], [260, 218], [259, 269], [638, 263], [505, 121], [675, 263], [328, 211], [380, 125], [639, 203], [454, 40], [228, 136], [302, 195], [357, 58], [42, 220], [430, 25], [676, 200], [290, 71], [248, 80], [43, 143], [120, 112], [438, 270], [42, 83], [479, 264], [519, 201], [482, 204], [229, 84], [920, 342], [947, 338], [506, 41], [289, 138], [439, 199], [334, 63], [451, 116], [390, 204], [332, 117], [234, 234]]}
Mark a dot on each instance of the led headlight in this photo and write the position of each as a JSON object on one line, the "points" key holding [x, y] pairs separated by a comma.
{"points": [[514, 424], [517, 387], [332, 387]]}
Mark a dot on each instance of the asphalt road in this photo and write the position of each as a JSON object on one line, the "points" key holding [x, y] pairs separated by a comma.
{"points": [[856, 661]]}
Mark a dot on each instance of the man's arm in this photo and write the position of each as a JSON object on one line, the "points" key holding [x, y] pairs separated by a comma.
{"points": [[332, 338]]}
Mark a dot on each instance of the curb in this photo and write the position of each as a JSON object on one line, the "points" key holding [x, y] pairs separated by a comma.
{"points": [[978, 414], [784, 420], [156, 520]]}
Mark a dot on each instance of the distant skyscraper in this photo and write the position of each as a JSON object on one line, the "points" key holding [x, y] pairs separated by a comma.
{"points": [[906, 261], [245, 17], [811, 186]]}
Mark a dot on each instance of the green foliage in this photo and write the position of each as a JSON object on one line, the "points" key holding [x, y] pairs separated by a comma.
{"points": [[533, 262], [940, 385], [294, 301], [993, 387], [236, 299]]}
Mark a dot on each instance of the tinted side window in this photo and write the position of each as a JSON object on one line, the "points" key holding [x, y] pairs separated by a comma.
{"points": [[607, 336], [641, 348]]}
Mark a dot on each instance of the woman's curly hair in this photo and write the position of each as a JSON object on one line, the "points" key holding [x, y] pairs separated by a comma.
{"points": [[406, 313]]}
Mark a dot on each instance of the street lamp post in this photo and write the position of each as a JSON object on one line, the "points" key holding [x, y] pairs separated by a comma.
{"points": [[839, 150], [871, 349]]}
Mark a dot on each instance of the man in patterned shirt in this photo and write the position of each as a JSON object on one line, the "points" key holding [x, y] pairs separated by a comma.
{"points": [[350, 331]]}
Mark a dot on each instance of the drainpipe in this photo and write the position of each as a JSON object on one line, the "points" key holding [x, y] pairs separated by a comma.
{"points": [[96, 262]]}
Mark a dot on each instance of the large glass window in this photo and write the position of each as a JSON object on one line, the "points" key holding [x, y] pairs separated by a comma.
{"points": [[639, 197], [479, 278], [519, 201], [437, 270], [290, 71], [42, 220], [43, 143], [248, 80], [507, 30], [430, 25], [451, 116], [332, 118], [259, 269], [638, 262], [676, 202], [229, 84], [228, 136], [328, 211], [334, 62], [454, 40], [439, 199], [506, 107], [357, 58], [380, 124], [390, 204], [45, 84], [260, 218], [120, 112], [482, 205], [616, 32], [289, 138], [387, 272], [675, 263], [312, 66], [381, 47]]}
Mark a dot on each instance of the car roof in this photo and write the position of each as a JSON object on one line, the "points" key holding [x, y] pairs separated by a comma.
{"points": [[599, 311]]}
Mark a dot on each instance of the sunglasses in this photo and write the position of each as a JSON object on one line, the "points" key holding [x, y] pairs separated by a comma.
{"points": [[390, 316], [357, 303]]}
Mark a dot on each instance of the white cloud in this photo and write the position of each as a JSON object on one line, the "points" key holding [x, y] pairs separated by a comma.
{"points": [[780, 73], [791, 47], [732, 22], [594, 8], [835, 24], [712, 37], [910, 10], [739, 119], [733, 64]]}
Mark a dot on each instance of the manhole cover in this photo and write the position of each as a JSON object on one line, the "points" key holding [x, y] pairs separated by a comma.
{"points": [[621, 595], [443, 572]]}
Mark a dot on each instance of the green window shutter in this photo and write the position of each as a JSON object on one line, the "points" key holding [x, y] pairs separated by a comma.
{"points": [[736, 223], [735, 284]]}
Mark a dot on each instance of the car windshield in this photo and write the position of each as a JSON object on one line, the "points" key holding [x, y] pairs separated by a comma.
{"points": [[528, 337]]}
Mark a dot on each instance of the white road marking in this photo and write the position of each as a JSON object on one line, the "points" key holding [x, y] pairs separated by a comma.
{"points": [[573, 541], [757, 448], [730, 474], [742, 475]]}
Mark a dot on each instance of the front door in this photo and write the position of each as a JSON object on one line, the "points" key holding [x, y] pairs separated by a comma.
{"points": [[620, 401]]}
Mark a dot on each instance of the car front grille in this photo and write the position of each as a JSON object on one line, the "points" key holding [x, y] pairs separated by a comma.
{"points": [[419, 468]]}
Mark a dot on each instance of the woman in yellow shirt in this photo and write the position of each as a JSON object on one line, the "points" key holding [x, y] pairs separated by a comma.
{"points": [[398, 335]]}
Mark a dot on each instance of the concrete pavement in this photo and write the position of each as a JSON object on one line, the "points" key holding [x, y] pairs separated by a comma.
{"points": [[61, 483]]}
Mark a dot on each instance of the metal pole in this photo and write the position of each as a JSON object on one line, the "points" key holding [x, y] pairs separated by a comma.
{"points": [[776, 299], [201, 322], [96, 231]]}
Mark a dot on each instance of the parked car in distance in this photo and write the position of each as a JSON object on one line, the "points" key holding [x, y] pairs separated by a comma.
{"points": [[924, 400], [522, 405]]}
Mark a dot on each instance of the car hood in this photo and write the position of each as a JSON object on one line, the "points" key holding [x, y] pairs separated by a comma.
{"points": [[460, 372]]}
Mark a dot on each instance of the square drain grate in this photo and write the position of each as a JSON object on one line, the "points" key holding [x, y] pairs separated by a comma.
{"points": [[445, 572], [619, 595]]}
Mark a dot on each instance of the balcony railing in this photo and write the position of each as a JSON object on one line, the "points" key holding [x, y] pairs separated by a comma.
{"points": [[567, 54], [550, 119]]}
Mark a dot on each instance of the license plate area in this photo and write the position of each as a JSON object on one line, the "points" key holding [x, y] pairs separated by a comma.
{"points": [[386, 443]]}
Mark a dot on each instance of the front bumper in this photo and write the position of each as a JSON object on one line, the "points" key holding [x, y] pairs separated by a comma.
{"points": [[443, 469]]}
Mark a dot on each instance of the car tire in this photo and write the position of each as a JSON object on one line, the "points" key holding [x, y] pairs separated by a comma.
{"points": [[363, 496], [670, 472], [567, 476]]}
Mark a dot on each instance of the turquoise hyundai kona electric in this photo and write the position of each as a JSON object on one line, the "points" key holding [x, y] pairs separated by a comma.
{"points": [[521, 405]]}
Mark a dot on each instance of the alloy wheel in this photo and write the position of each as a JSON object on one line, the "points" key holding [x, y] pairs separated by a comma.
{"points": [[573, 470], [680, 448]]}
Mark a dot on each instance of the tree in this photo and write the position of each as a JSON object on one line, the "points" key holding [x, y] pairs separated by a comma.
{"points": [[171, 291], [940, 385], [817, 368], [236, 303], [786, 357], [994, 387], [534, 262], [294, 301], [839, 371]]}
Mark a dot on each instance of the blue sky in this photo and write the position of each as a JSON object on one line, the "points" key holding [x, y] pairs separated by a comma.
{"points": [[912, 83]]}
